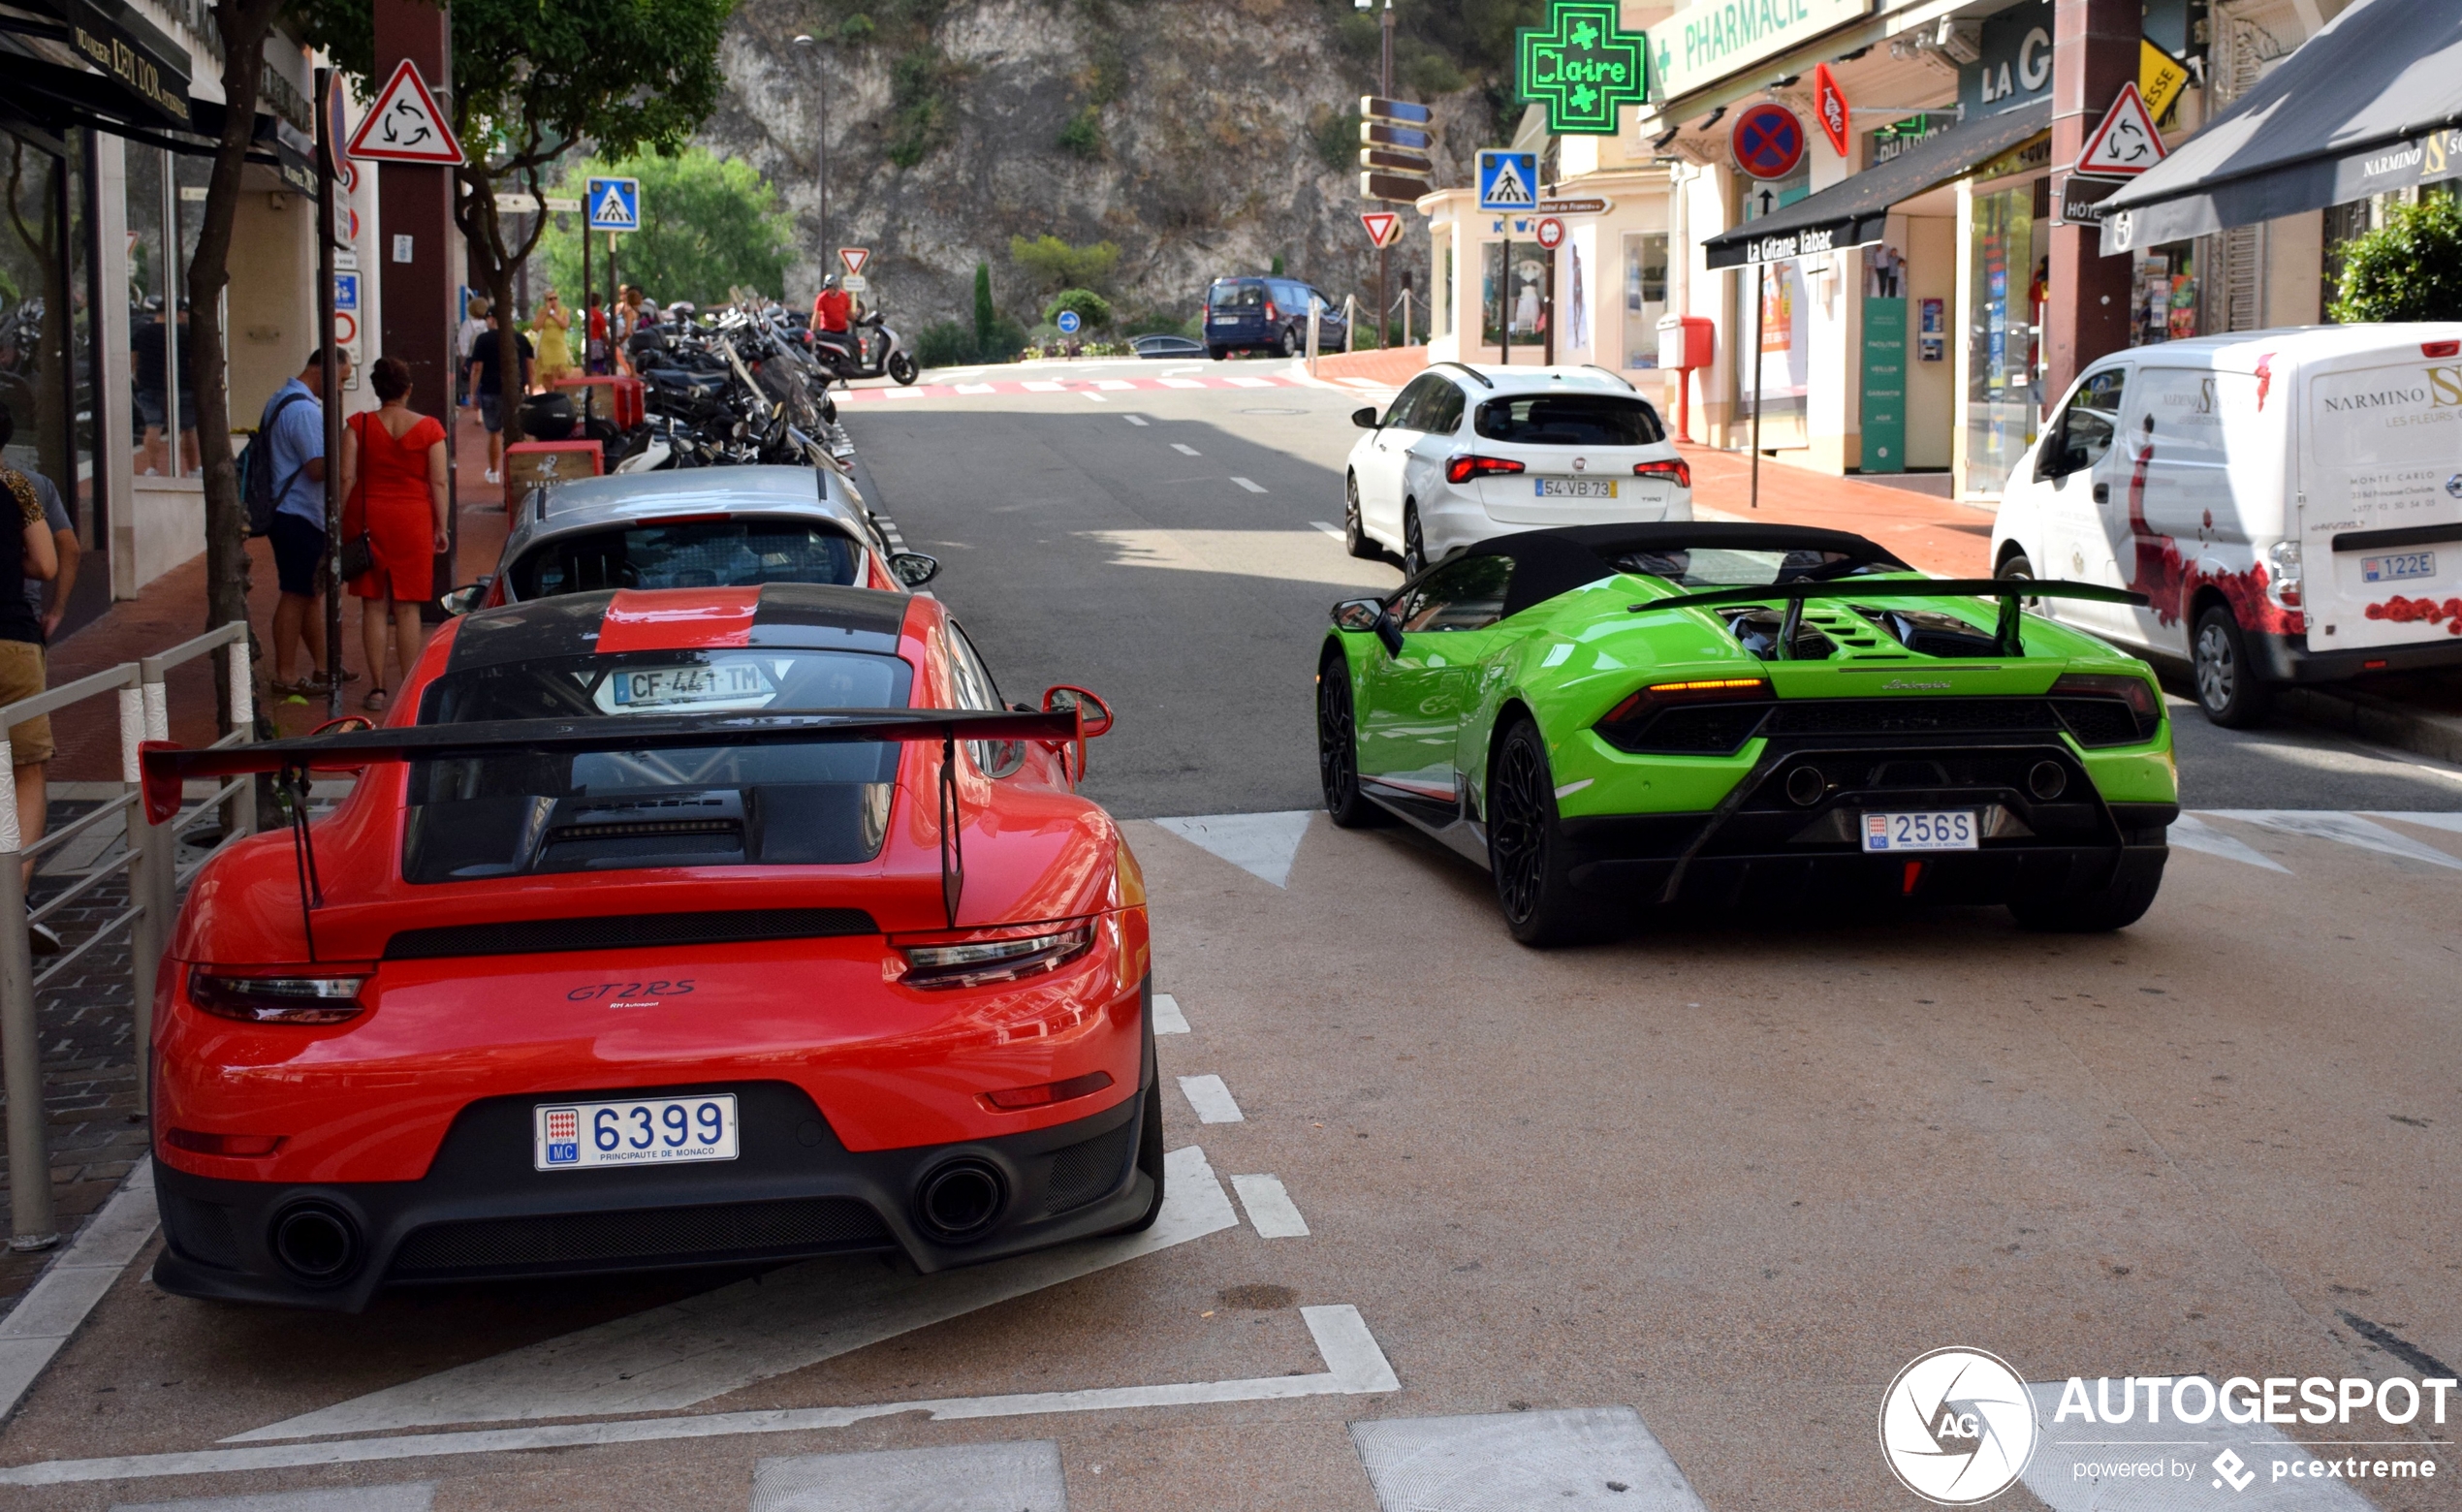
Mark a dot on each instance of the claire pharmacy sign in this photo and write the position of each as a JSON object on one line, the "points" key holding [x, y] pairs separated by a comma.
{"points": [[1582, 66]]}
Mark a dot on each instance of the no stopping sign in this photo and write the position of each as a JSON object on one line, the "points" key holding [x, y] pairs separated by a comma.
{"points": [[1768, 142]]}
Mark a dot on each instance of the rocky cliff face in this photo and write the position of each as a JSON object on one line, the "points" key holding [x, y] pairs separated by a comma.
{"points": [[1200, 137]]}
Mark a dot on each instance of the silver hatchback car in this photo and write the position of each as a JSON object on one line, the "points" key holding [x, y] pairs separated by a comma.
{"points": [[707, 527]]}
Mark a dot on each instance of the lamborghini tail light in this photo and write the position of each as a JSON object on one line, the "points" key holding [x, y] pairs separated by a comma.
{"points": [[1697, 716], [1016, 1099], [1699, 690], [985, 956], [1679, 471], [2145, 704], [324, 997], [1464, 468]]}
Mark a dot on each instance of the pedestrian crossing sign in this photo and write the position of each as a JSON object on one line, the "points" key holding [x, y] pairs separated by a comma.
{"points": [[615, 204], [1509, 181]]}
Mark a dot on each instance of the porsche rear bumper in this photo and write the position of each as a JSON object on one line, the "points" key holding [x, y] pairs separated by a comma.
{"points": [[483, 1212]]}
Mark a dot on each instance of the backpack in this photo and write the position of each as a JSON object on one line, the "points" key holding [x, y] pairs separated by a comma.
{"points": [[259, 489]]}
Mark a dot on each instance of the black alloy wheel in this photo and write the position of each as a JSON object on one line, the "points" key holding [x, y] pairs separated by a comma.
{"points": [[1525, 848], [1414, 549], [1338, 747], [1354, 533], [2227, 687]]}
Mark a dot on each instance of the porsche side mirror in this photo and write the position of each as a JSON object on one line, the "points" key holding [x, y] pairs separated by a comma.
{"points": [[1364, 419], [462, 600], [1093, 711], [914, 568]]}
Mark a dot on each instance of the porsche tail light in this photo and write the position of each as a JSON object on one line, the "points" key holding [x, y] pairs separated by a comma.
{"points": [[243, 1146], [988, 957], [300, 999], [1697, 716], [1677, 472], [1464, 468], [2145, 704], [1020, 1097]]}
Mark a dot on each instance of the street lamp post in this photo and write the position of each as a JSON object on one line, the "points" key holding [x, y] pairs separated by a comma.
{"points": [[1385, 90], [820, 153]]}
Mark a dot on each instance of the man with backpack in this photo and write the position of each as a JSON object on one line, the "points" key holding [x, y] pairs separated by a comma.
{"points": [[285, 490]]}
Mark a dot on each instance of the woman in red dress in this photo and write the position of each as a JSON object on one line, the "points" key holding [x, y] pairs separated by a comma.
{"points": [[394, 475]]}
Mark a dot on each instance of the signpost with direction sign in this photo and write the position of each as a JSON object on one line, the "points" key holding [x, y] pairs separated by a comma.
{"points": [[1582, 66], [406, 125], [1396, 139]]}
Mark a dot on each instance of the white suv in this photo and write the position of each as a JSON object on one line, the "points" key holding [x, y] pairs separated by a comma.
{"points": [[1469, 452]]}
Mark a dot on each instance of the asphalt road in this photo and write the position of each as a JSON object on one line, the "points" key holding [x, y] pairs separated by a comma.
{"points": [[1456, 1226]]}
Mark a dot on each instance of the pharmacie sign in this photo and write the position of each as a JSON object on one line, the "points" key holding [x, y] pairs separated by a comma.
{"points": [[1704, 42]]}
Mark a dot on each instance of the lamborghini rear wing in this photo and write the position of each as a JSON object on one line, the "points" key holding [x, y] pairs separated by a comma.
{"points": [[2008, 590]]}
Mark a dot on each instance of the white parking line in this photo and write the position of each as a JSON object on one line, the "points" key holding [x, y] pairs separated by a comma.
{"points": [[1271, 1212], [1335, 531], [1044, 387], [1186, 450], [685, 1353], [2081, 1468], [1099, 398], [1578, 1460], [1355, 1364], [993, 1477], [2191, 833], [1249, 383], [1182, 383], [902, 393], [399, 1496], [1134, 419], [1252, 488], [1114, 384], [57, 1302], [1167, 1016], [976, 388], [1211, 1099], [2348, 829]]}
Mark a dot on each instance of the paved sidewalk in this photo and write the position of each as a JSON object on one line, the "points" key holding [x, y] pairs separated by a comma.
{"points": [[1936, 534]]}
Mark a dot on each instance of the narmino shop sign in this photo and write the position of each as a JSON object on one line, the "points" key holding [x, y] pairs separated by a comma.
{"points": [[1702, 44]]}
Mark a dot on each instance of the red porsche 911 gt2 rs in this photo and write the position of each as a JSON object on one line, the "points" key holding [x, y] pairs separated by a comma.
{"points": [[661, 929]]}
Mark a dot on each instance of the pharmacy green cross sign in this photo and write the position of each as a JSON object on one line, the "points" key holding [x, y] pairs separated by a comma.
{"points": [[1582, 68]]}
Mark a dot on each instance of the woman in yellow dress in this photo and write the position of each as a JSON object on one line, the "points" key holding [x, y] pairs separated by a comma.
{"points": [[555, 357]]}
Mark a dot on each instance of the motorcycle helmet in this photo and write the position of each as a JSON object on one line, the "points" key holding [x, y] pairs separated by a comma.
{"points": [[829, 282]]}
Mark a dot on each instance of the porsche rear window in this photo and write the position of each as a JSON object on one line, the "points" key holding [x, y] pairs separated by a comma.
{"points": [[1724, 567], [697, 553], [1570, 419], [517, 814]]}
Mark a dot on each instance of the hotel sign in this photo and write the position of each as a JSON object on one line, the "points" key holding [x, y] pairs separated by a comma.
{"points": [[1704, 42]]}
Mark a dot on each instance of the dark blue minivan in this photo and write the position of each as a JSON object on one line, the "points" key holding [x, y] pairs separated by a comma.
{"points": [[1269, 315]]}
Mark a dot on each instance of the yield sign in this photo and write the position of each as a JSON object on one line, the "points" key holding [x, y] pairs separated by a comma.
{"points": [[2126, 145], [406, 124], [1384, 227], [854, 258]]}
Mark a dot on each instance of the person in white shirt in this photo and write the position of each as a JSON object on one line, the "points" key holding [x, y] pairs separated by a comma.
{"points": [[474, 325]]}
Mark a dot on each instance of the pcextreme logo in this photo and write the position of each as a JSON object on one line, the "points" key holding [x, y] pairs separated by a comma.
{"points": [[1957, 1427]]}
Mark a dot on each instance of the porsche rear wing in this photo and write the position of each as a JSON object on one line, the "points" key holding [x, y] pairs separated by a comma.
{"points": [[164, 766], [2011, 591]]}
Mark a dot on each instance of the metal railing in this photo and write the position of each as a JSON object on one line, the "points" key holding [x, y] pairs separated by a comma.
{"points": [[151, 859]]}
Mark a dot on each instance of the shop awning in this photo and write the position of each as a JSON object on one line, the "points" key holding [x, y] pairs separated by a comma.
{"points": [[139, 75], [2371, 103], [1852, 213]]}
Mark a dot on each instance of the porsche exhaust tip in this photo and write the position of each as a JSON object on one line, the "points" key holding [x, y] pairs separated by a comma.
{"points": [[960, 1200], [317, 1242]]}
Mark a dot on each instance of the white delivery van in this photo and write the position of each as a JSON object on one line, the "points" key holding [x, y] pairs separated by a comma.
{"points": [[2288, 501]]}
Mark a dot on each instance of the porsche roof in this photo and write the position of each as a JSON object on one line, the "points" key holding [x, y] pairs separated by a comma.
{"points": [[1549, 562], [800, 614]]}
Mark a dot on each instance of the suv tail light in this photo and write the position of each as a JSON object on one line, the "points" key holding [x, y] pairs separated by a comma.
{"points": [[1464, 468], [980, 958], [1270, 313], [1679, 471], [325, 997], [2145, 704]]}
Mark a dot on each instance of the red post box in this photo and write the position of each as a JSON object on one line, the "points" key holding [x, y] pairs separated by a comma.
{"points": [[1685, 344]]}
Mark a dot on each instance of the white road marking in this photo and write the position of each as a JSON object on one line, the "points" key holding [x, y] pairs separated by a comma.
{"points": [[1044, 387], [58, 1302], [1262, 845], [1579, 1459], [1023, 1475], [902, 393], [683, 1354], [2426, 819], [976, 388], [1252, 488], [1355, 1366], [1099, 398], [2066, 1453], [1168, 1018], [1333, 530], [2191, 833], [399, 1496], [1211, 1099], [1271, 1212], [2349, 828], [1134, 419], [1182, 383], [1250, 383], [1186, 450], [1114, 384]]}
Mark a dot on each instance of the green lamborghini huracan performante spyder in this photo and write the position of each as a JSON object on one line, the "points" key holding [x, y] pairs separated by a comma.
{"points": [[1616, 718]]}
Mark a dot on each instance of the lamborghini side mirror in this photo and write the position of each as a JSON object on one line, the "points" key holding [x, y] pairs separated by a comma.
{"points": [[1358, 616], [1094, 715]]}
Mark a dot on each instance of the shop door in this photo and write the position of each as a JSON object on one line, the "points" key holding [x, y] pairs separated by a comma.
{"points": [[48, 374]]}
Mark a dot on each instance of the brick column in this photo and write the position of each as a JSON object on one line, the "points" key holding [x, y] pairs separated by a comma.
{"points": [[416, 200], [2094, 53]]}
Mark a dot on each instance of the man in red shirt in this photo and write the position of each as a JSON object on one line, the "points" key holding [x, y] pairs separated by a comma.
{"points": [[832, 309]]}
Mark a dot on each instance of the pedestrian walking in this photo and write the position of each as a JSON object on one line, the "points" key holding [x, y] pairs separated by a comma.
{"points": [[154, 363], [554, 325], [393, 479], [21, 670], [487, 386], [594, 350], [295, 433], [465, 341]]}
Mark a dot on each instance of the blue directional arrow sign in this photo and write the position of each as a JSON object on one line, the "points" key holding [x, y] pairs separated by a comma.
{"points": [[1069, 322], [615, 204], [1507, 180]]}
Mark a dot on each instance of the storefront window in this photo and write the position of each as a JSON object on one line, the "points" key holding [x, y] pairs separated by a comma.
{"points": [[1510, 294], [2006, 258], [1644, 296], [46, 368], [2165, 307], [158, 318]]}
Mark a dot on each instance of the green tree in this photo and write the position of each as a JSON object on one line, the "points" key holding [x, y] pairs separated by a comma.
{"points": [[1083, 135], [530, 80], [2409, 269], [706, 224], [985, 316], [1054, 264], [1091, 307]]}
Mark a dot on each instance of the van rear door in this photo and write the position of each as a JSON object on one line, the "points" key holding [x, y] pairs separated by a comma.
{"points": [[2380, 480]]}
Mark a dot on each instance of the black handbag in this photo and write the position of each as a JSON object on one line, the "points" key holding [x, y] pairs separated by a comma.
{"points": [[359, 558]]}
